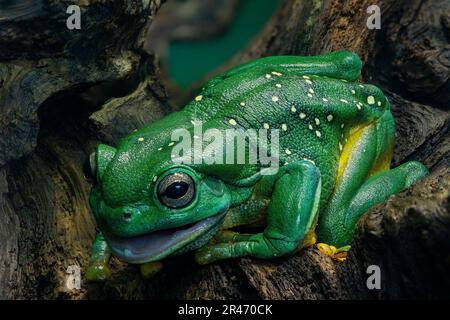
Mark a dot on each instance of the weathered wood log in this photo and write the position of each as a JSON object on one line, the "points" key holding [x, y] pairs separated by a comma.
{"points": [[62, 92], [51, 80]]}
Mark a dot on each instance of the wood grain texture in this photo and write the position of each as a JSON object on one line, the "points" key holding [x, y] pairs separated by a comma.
{"points": [[21, 9], [51, 81]]}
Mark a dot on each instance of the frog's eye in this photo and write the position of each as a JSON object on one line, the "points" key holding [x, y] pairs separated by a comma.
{"points": [[176, 190]]}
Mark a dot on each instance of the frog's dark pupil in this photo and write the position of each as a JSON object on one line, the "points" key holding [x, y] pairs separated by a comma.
{"points": [[176, 190]]}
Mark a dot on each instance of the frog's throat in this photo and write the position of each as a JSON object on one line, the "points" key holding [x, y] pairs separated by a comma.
{"points": [[159, 244]]}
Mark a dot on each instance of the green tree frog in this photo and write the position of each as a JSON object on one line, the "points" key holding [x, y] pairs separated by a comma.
{"points": [[335, 143]]}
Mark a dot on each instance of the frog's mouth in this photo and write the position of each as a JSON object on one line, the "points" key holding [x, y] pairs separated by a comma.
{"points": [[159, 244]]}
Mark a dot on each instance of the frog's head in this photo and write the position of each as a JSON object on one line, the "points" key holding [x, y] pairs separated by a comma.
{"points": [[149, 207]]}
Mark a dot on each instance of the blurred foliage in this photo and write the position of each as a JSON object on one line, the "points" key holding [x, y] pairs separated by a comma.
{"points": [[189, 61]]}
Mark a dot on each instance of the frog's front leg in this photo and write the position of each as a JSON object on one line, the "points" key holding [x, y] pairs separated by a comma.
{"points": [[98, 269], [291, 214]]}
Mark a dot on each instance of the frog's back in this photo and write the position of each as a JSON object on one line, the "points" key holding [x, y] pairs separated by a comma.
{"points": [[313, 109]]}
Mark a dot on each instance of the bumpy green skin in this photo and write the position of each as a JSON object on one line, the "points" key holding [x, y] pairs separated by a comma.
{"points": [[336, 141]]}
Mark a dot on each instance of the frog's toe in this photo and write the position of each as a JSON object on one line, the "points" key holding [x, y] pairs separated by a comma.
{"points": [[97, 272], [219, 251], [231, 236], [341, 253], [335, 253], [226, 244], [149, 269], [325, 248]]}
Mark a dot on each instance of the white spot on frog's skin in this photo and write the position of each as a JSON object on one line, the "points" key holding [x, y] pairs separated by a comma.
{"points": [[277, 73], [293, 109], [325, 99], [310, 95], [284, 127], [266, 126], [318, 134], [309, 160], [358, 106], [353, 92], [379, 103], [275, 99], [306, 77], [340, 146], [361, 86], [343, 100], [141, 139], [155, 178], [242, 104], [232, 122], [193, 122], [171, 144], [308, 81], [159, 149], [278, 85], [370, 100], [302, 115], [268, 76], [310, 127], [198, 98], [317, 121], [343, 80], [310, 90], [342, 125], [330, 117], [196, 137], [288, 152]]}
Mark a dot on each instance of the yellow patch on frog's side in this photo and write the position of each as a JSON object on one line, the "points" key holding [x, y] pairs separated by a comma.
{"points": [[384, 162], [353, 137]]}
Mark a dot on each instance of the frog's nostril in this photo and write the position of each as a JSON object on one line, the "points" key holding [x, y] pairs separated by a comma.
{"points": [[126, 216]]}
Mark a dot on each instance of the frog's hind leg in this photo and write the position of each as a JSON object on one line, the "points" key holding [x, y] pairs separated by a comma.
{"points": [[364, 180], [380, 186]]}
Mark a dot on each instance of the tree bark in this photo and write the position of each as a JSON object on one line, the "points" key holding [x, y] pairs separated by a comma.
{"points": [[62, 92]]}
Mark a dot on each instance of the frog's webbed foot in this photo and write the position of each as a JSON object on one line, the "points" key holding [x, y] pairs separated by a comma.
{"points": [[229, 236], [338, 254], [97, 271], [226, 244], [150, 269], [219, 246]]}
